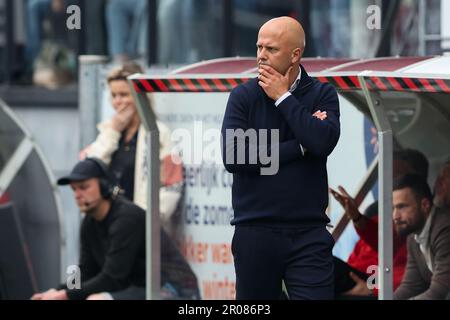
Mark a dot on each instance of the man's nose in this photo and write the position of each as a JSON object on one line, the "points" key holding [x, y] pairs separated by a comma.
{"points": [[262, 54], [78, 194], [395, 215], [117, 100]]}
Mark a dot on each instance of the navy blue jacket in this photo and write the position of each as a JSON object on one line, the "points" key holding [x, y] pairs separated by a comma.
{"points": [[297, 195]]}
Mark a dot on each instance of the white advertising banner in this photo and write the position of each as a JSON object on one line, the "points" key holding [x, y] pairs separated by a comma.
{"points": [[195, 120]]}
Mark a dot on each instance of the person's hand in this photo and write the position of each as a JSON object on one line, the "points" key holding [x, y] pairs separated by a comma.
{"points": [[51, 294], [37, 296], [347, 202], [55, 295], [273, 83], [360, 289], [98, 296], [123, 118], [41, 295], [321, 115]]}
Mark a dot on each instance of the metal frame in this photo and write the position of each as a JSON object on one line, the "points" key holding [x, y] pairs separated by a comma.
{"points": [[13, 166], [15, 163], [385, 234], [382, 74], [424, 37], [363, 189], [152, 224]]}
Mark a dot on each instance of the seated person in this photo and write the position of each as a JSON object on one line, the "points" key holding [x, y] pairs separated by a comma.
{"points": [[427, 275], [112, 257], [365, 255], [350, 277]]}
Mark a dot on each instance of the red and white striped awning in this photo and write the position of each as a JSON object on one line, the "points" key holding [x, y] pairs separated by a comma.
{"points": [[409, 74]]}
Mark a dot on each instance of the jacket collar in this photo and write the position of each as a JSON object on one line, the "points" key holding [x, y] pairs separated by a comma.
{"points": [[305, 79]]}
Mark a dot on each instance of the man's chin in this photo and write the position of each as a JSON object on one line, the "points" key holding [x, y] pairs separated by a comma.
{"points": [[84, 209], [404, 231], [400, 232]]}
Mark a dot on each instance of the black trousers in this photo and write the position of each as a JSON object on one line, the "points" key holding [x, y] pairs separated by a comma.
{"points": [[265, 256]]}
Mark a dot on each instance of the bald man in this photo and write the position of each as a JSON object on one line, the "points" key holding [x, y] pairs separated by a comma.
{"points": [[283, 116]]}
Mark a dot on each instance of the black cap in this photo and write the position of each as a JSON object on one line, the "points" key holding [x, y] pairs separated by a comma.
{"points": [[83, 170]]}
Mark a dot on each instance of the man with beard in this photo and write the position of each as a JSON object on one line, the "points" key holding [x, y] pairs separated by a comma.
{"points": [[427, 274], [351, 276]]}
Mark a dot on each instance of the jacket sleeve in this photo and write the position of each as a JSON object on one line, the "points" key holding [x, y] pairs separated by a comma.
{"points": [[235, 122], [105, 144], [412, 283], [440, 281], [319, 137], [88, 266], [369, 234]]}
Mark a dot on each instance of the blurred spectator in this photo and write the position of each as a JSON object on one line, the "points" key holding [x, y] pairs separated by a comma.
{"points": [[50, 63], [127, 24], [192, 21], [442, 188], [37, 11], [427, 275]]}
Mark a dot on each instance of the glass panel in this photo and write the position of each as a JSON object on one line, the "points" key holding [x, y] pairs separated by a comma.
{"points": [[38, 215], [200, 226], [420, 121]]}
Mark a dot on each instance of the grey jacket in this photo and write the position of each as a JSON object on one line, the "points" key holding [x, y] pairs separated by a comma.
{"points": [[419, 282]]}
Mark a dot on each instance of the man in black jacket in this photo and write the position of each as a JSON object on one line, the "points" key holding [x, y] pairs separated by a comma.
{"points": [[112, 257], [279, 215]]}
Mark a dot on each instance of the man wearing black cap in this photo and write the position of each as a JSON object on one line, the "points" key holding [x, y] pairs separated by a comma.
{"points": [[112, 257]]}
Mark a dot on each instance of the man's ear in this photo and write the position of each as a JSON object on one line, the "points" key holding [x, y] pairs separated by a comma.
{"points": [[425, 204], [296, 55]]}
